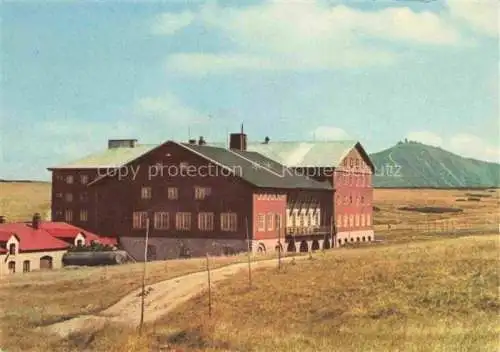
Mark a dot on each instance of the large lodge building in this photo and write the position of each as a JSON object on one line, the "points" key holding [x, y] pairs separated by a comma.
{"points": [[200, 198]]}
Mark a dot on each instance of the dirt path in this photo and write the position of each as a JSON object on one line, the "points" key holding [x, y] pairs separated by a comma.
{"points": [[162, 298]]}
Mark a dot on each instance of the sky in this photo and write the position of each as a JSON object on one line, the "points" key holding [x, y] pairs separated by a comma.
{"points": [[75, 74]]}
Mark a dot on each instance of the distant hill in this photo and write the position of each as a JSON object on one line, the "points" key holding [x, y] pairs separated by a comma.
{"points": [[414, 164]]}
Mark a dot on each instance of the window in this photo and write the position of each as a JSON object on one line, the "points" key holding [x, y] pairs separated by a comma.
{"points": [[26, 266], [356, 220], [316, 218], [146, 193], [201, 192], [346, 200], [362, 219], [345, 220], [301, 220], [59, 195], [59, 178], [161, 220], [362, 200], [12, 267], [12, 248], [84, 179], [350, 199], [139, 219], [351, 220], [69, 179], [84, 197], [339, 199], [270, 222], [183, 221], [68, 215], [68, 197], [261, 222], [151, 252], [368, 220], [358, 200], [79, 243], [294, 219], [206, 221], [84, 216], [339, 220], [309, 220], [351, 162], [173, 193], [229, 221], [357, 163], [278, 221]]}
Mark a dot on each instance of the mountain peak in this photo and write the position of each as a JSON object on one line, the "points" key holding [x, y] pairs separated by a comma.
{"points": [[414, 164]]}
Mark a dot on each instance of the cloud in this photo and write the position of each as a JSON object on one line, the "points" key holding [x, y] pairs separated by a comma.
{"points": [[66, 139], [479, 15], [472, 146], [463, 144], [170, 23], [425, 137], [329, 133], [167, 110], [310, 35]]}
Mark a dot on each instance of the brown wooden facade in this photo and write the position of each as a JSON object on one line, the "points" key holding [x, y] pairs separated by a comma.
{"points": [[218, 209]]}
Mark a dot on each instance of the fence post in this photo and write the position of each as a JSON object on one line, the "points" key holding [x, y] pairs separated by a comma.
{"points": [[249, 255], [209, 288], [143, 288], [279, 243]]}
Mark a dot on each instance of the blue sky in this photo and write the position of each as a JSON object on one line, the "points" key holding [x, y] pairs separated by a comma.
{"points": [[75, 74]]}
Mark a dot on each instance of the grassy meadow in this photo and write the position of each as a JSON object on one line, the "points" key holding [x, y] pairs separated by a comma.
{"points": [[439, 295], [403, 294], [20, 200]]}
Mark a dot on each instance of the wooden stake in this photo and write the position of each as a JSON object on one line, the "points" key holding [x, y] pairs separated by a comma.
{"points": [[279, 244], [249, 255], [143, 290], [209, 289], [331, 233]]}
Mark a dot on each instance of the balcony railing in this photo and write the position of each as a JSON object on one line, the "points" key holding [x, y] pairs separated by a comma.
{"points": [[313, 230]]}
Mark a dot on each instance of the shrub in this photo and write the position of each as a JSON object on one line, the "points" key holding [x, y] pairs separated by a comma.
{"points": [[478, 195], [92, 247], [434, 210]]}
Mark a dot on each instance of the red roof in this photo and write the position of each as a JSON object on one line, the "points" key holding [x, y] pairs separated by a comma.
{"points": [[48, 236], [67, 231], [31, 239]]}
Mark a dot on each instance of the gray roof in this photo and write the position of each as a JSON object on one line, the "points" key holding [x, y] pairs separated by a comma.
{"points": [[109, 158], [257, 169], [305, 154], [290, 154]]}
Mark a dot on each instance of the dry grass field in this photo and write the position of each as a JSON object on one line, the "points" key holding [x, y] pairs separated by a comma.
{"points": [[20, 200], [437, 295]]}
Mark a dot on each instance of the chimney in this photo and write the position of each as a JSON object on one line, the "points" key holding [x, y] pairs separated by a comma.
{"points": [[238, 140], [201, 141], [121, 143], [266, 140], [37, 219], [192, 141], [2, 219]]}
